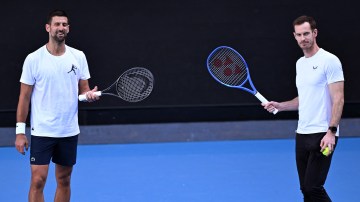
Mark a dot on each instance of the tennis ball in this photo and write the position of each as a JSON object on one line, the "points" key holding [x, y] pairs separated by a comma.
{"points": [[326, 151]]}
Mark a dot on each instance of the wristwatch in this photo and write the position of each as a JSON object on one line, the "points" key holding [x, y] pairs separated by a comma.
{"points": [[333, 129]]}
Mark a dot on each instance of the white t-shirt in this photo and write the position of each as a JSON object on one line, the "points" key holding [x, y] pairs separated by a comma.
{"points": [[313, 75], [54, 100]]}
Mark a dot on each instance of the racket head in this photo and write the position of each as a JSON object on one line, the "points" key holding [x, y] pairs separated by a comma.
{"points": [[135, 84], [229, 68]]}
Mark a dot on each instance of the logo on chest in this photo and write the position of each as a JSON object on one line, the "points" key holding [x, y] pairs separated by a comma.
{"points": [[315, 67], [73, 68]]}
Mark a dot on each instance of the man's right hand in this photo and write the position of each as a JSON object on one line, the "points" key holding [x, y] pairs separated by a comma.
{"points": [[21, 142]]}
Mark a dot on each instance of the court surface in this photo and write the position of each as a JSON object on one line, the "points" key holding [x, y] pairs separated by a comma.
{"points": [[223, 171]]}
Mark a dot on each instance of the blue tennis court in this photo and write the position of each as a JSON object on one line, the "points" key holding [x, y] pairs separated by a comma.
{"points": [[214, 171]]}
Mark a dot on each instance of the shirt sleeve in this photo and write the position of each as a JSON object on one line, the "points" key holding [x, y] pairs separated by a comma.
{"points": [[84, 70], [27, 76], [334, 71]]}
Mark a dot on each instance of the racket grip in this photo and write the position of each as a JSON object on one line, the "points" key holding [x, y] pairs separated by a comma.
{"points": [[83, 96], [264, 100]]}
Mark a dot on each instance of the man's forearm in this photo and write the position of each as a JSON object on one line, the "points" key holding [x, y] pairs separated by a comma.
{"points": [[337, 97], [290, 105], [336, 112], [22, 111]]}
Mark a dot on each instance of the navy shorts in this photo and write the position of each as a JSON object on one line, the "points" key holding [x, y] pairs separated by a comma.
{"points": [[62, 151]]}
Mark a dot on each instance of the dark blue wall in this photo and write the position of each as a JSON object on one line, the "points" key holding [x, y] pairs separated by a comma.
{"points": [[173, 40]]}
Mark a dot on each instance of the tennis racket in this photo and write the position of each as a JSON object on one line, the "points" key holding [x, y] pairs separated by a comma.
{"points": [[133, 85], [229, 68]]}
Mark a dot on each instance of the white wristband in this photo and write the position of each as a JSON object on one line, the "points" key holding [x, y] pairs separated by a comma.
{"points": [[20, 128]]}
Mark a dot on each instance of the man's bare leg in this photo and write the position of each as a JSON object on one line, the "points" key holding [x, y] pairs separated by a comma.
{"points": [[38, 179], [63, 176]]}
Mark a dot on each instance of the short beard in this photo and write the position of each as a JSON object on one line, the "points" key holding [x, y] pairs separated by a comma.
{"points": [[308, 46], [59, 40]]}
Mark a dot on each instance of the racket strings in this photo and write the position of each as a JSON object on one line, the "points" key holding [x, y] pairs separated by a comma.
{"points": [[228, 67], [135, 85]]}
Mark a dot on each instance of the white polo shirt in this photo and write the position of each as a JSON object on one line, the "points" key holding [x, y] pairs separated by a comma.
{"points": [[313, 75], [54, 100]]}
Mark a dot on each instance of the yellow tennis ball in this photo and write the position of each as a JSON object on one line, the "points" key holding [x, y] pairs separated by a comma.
{"points": [[326, 151]]}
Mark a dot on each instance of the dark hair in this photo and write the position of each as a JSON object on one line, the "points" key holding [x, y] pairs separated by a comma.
{"points": [[56, 13], [302, 19]]}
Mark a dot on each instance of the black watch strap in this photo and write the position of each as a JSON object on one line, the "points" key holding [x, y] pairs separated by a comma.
{"points": [[333, 129]]}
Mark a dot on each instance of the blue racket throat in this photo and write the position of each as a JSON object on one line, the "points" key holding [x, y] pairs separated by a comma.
{"points": [[229, 68]]}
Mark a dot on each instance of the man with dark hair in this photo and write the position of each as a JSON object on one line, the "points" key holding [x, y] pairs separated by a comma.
{"points": [[52, 78], [320, 101]]}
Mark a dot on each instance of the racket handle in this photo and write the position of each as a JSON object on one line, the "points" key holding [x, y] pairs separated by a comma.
{"points": [[264, 100], [83, 96]]}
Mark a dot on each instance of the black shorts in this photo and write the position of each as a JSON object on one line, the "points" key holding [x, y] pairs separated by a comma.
{"points": [[62, 151]]}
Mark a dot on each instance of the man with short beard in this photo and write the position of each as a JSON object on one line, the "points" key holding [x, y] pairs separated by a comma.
{"points": [[52, 78]]}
